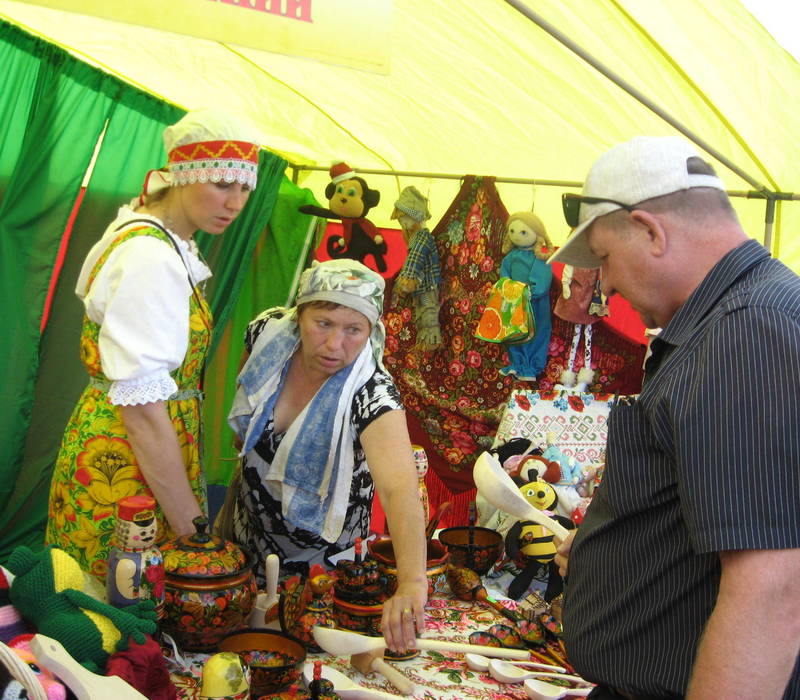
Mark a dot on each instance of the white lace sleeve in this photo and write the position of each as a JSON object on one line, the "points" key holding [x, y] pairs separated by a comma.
{"points": [[140, 298]]}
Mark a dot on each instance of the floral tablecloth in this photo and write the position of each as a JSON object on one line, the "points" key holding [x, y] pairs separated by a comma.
{"points": [[437, 676]]}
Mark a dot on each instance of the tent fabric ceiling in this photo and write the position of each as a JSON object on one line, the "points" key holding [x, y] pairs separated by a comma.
{"points": [[475, 87]]}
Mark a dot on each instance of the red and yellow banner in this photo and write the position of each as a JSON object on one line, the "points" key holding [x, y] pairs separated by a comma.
{"points": [[354, 33]]}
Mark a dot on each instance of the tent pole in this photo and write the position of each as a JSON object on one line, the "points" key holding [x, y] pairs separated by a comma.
{"points": [[750, 194], [633, 92]]}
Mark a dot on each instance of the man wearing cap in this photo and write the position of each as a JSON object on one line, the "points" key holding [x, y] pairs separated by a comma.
{"points": [[683, 577]]}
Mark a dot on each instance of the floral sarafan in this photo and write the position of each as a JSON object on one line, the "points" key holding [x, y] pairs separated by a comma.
{"points": [[96, 465]]}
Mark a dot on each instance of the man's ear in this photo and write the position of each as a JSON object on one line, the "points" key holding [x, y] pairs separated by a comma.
{"points": [[653, 229]]}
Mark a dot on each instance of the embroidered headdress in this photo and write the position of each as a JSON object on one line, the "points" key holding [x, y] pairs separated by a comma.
{"points": [[207, 145]]}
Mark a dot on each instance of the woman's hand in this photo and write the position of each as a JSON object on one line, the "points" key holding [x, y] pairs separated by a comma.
{"points": [[404, 615]]}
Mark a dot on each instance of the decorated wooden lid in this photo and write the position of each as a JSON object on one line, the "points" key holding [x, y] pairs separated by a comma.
{"points": [[203, 555]]}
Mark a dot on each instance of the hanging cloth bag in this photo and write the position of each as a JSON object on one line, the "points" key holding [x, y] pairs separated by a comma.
{"points": [[508, 316]]}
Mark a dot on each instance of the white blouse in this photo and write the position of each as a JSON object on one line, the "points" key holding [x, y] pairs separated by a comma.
{"points": [[140, 299]]}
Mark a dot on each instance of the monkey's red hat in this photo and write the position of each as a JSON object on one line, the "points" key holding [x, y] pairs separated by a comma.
{"points": [[341, 171]]}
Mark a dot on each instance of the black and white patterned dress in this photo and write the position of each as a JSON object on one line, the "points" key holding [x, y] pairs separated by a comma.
{"points": [[257, 520]]}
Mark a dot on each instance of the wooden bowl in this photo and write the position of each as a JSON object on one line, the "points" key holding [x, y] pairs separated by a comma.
{"points": [[275, 659], [486, 549], [436, 565]]}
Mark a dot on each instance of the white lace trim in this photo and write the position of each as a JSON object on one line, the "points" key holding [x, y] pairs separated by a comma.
{"points": [[133, 392], [215, 170]]}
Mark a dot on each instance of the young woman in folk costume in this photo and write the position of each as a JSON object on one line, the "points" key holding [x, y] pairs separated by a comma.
{"points": [[146, 331]]}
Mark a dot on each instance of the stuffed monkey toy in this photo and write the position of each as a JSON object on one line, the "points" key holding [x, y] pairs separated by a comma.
{"points": [[528, 246], [349, 199], [421, 273]]}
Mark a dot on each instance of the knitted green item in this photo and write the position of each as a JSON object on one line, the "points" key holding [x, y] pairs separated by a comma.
{"points": [[46, 592]]}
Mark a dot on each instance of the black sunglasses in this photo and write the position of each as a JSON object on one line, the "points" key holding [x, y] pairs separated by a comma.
{"points": [[571, 204]]}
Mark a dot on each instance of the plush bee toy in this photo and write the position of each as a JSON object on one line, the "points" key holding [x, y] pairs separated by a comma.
{"points": [[349, 199], [531, 545]]}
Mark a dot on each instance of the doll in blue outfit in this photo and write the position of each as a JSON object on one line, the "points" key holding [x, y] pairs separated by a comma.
{"points": [[526, 262]]}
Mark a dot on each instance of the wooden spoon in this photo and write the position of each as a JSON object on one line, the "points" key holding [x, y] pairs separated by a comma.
{"points": [[344, 643], [85, 684], [497, 487], [509, 673], [371, 661], [467, 585], [343, 686], [478, 662]]}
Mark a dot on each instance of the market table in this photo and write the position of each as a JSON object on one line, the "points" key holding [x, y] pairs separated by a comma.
{"points": [[436, 675]]}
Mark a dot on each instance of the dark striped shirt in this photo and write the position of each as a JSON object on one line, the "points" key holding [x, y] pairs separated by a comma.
{"points": [[706, 460]]}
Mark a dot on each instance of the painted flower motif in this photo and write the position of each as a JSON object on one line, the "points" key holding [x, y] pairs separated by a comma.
{"points": [[405, 314], [457, 343], [392, 344], [561, 403], [463, 305], [557, 345], [87, 538], [453, 455], [196, 322], [62, 509], [107, 468], [575, 403], [90, 356], [463, 256], [457, 324], [456, 367], [473, 358], [463, 403], [522, 401], [455, 232], [454, 422], [487, 264], [491, 374], [464, 442], [393, 322]]}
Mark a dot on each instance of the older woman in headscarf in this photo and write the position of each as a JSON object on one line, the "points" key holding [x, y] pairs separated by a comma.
{"points": [[322, 427]]}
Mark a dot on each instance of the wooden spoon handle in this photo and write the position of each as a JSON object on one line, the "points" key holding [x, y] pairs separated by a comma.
{"points": [[391, 674], [460, 648]]}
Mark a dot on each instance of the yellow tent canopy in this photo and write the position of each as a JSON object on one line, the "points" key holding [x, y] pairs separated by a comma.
{"points": [[477, 87]]}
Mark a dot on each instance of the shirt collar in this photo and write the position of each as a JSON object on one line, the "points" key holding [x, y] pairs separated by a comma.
{"points": [[714, 285]]}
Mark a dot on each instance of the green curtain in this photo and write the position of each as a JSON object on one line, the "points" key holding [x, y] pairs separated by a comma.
{"points": [[133, 138], [57, 108], [267, 282], [63, 106]]}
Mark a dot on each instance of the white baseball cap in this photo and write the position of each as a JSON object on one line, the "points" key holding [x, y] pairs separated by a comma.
{"points": [[640, 169]]}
